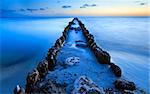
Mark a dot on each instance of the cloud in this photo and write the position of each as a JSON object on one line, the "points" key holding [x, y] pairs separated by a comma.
{"points": [[93, 5], [87, 5], [31, 10], [66, 6], [42, 9], [140, 2], [82, 7]]}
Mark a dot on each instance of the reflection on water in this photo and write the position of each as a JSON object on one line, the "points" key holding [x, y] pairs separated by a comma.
{"points": [[24, 42]]}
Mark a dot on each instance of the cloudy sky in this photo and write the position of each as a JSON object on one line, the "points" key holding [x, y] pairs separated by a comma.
{"points": [[75, 7]]}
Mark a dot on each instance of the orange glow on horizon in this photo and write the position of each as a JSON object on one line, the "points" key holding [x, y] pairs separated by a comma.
{"points": [[117, 11], [97, 11]]}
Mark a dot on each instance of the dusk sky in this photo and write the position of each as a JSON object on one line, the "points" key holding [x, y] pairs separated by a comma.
{"points": [[76, 7]]}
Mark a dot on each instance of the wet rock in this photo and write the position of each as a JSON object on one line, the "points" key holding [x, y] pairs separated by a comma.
{"points": [[90, 41], [57, 47], [116, 69], [67, 28], [71, 23], [62, 38], [93, 45], [19, 90], [115, 91], [86, 32], [90, 36], [59, 43], [65, 32], [122, 84], [51, 62], [82, 28], [33, 77], [65, 36], [84, 85], [130, 92], [52, 51], [110, 91], [72, 61], [75, 19], [80, 23], [97, 49], [48, 87], [102, 56], [31, 80], [43, 68], [51, 57]]}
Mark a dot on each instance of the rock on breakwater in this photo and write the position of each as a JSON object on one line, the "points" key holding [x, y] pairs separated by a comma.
{"points": [[51, 76]]}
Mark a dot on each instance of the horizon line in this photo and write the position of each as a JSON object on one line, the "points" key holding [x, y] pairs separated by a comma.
{"points": [[74, 16]]}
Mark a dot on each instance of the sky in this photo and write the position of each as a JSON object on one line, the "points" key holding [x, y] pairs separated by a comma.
{"points": [[75, 7]]}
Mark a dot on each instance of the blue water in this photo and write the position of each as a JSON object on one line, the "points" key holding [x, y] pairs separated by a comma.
{"points": [[127, 41], [24, 42]]}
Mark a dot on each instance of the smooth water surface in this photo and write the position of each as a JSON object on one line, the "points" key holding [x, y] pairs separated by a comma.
{"points": [[127, 41], [24, 42]]}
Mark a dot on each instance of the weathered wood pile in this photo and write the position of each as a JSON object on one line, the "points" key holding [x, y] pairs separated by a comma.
{"points": [[49, 63]]}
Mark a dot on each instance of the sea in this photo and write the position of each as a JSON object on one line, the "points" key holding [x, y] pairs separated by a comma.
{"points": [[24, 42]]}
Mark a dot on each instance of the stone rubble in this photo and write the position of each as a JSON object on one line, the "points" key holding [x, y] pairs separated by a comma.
{"points": [[123, 84], [43, 68], [19, 90], [116, 69], [49, 87], [83, 85], [31, 80]]}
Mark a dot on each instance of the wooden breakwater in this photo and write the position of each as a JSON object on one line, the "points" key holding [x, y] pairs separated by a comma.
{"points": [[47, 65]]}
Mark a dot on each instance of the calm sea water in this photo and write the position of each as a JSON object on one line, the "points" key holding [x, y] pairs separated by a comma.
{"points": [[24, 42], [127, 41]]}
